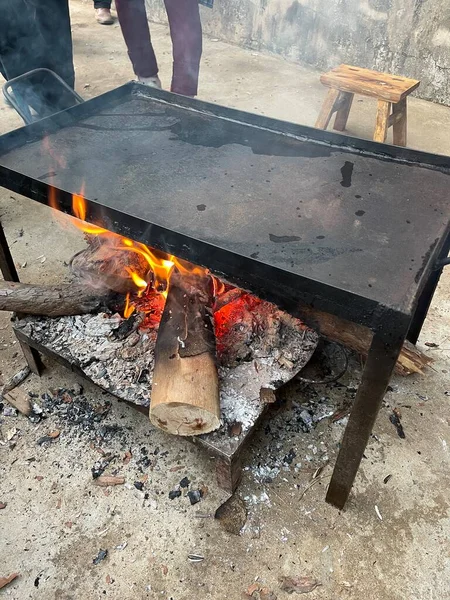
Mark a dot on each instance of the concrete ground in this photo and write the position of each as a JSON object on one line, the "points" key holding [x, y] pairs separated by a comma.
{"points": [[56, 520]]}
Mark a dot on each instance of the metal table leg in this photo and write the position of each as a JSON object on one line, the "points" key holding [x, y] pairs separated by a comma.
{"points": [[7, 266], [228, 473], [9, 273], [383, 354]]}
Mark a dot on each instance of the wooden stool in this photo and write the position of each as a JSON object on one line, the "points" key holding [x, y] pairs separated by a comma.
{"points": [[390, 91]]}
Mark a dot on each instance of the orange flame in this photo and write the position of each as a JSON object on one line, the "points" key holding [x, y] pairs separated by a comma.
{"points": [[140, 283], [79, 210], [159, 268], [128, 309]]}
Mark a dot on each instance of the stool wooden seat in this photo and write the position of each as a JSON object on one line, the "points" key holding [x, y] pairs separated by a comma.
{"points": [[391, 91]]}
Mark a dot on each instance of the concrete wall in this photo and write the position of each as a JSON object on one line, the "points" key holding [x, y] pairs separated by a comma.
{"points": [[406, 37]]}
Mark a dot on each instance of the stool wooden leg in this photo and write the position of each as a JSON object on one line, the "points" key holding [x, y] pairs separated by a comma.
{"points": [[382, 121], [327, 109], [400, 122], [345, 104]]}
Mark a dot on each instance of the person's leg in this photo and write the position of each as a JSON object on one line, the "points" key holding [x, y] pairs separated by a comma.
{"points": [[136, 33], [54, 26], [186, 33], [2, 69], [102, 4], [36, 34]]}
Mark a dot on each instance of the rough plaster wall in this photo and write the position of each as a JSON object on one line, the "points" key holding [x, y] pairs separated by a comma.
{"points": [[406, 37]]}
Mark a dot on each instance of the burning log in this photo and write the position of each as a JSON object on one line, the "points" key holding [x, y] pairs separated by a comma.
{"points": [[107, 263], [185, 392], [56, 301]]}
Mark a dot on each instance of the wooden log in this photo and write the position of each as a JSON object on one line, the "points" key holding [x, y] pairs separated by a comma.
{"points": [[359, 338], [106, 264], [20, 401], [185, 388], [56, 301]]}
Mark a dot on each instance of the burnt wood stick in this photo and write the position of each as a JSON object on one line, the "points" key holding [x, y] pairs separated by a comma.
{"points": [[57, 301], [227, 297], [185, 388], [359, 338]]}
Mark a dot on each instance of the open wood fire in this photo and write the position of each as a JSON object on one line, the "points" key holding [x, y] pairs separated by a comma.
{"points": [[205, 353]]}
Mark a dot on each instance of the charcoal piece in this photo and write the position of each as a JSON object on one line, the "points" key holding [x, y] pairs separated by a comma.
{"points": [[174, 494], [102, 554], [194, 496], [306, 421], [34, 418], [143, 376], [107, 432], [395, 420], [127, 326], [100, 466], [184, 483], [144, 462], [44, 439], [289, 457], [139, 485]]}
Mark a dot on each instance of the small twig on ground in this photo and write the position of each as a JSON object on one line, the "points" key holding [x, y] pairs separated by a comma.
{"points": [[311, 483]]}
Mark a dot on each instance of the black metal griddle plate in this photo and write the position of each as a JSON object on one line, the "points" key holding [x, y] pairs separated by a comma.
{"points": [[284, 210]]}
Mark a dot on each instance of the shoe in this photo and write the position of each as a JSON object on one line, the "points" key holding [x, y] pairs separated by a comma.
{"points": [[151, 81], [104, 16]]}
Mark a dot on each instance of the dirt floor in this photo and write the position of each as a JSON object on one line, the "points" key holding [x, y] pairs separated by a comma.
{"points": [[391, 542]]}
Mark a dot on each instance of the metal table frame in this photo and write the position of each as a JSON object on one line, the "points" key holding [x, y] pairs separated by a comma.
{"points": [[390, 327]]}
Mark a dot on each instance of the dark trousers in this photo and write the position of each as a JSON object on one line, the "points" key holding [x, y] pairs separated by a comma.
{"points": [[186, 34], [102, 4], [36, 34]]}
